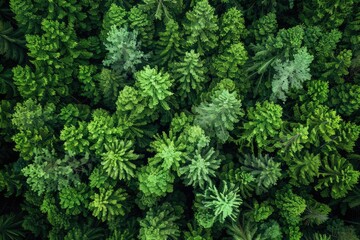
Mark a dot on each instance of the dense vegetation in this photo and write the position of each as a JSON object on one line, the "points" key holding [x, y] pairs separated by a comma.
{"points": [[180, 119]]}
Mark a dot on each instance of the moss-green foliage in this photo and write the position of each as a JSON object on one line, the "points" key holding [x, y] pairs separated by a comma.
{"points": [[107, 204], [220, 204], [160, 223], [179, 119], [201, 27], [264, 169], [219, 116], [189, 75], [169, 47], [263, 125]]}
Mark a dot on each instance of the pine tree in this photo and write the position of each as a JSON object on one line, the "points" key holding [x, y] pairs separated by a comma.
{"points": [[202, 27], [189, 75], [168, 47], [219, 116], [227, 64]]}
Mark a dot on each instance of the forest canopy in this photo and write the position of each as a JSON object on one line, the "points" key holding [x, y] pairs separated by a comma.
{"points": [[179, 119]]}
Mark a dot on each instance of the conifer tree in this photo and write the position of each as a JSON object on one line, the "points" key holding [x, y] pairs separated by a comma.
{"points": [[201, 27]]}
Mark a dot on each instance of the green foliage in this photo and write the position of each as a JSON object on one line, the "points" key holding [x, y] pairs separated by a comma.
{"points": [[74, 199], [162, 8], [117, 159], [316, 213], [292, 142], [199, 167], [243, 180], [290, 75], [345, 98], [89, 86], [74, 138], [155, 86], [189, 75], [228, 63], [114, 18], [337, 177], [168, 47], [10, 227], [317, 91], [155, 182], [326, 14], [10, 180], [197, 233], [219, 115], [32, 122], [49, 173], [232, 27], [261, 211], [303, 169], [244, 230], [6, 85], [124, 52], [169, 152], [173, 119], [223, 204], [264, 169], [318, 236], [291, 206], [12, 42], [140, 22], [263, 125], [201, 27], [72, 113], [110, 82], [339, 230], [84, 233], [338, 67], [26, 15], [108, 203], [265, 27], [322, 122], [101, 130], [160, 223]]}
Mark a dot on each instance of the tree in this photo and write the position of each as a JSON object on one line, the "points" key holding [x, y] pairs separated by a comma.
{"points": [[117, 159], [227, 64], [140, 22], [200, 167], [108, 203], [264, 169], [75, 139], [12, 42], [155, 86], [33, 124], [162, 9], [291, 206], [160, 223], [263, 125], [10, 227], [304, 169], [189, 75], [115, 17], [219, 115], [155, 182], [201, 27], [170, 154], [232, 27], [336, 177], [345, 98], [124, 52], [223, 204], [290, 75], [168, 47]]}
